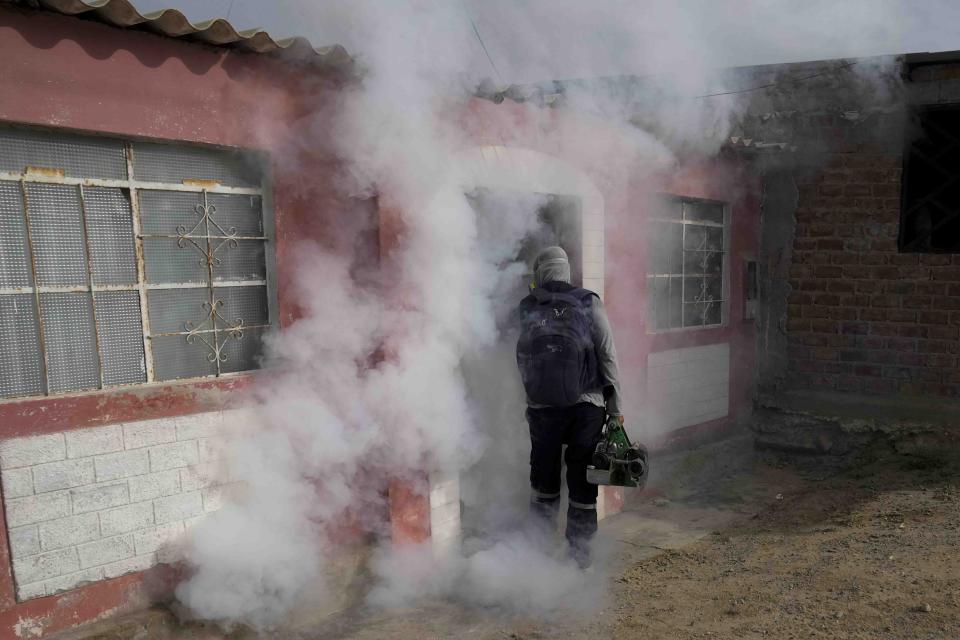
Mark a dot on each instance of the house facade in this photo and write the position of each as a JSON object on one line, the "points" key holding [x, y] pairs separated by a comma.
{"points": [[151, 192]]}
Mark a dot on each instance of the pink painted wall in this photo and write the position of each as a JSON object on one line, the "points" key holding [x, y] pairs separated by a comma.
{"points": [[62, 72]]}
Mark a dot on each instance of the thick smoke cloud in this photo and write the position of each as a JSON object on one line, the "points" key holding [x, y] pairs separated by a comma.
{"points": [[408, 370]]}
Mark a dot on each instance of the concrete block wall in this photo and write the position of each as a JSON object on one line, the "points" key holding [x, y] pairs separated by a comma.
{"points": [[593, 250], [444, 511], [689, 386], [96, 503]]}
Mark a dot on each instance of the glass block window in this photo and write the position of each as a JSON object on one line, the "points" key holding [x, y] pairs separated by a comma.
{"points": [[126, 262], [686, 274]]}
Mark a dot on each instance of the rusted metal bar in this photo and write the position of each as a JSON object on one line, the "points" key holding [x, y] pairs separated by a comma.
{"points": [[141, 268], [197, 331], [36, 288], [213, 301], [212, 237], [45, 175], [93, 300]]}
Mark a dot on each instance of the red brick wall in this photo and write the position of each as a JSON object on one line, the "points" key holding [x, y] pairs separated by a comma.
{"points": [[863, 317]]}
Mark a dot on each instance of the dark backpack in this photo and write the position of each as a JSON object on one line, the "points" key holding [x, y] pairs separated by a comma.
{"points": [[555, 352]]}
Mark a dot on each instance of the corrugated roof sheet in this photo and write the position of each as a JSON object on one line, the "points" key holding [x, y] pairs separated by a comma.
{"points": [[218, 32]]}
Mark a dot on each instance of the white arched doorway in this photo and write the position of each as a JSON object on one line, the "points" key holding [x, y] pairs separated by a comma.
{"points": [[526, 170], [502, 168]]}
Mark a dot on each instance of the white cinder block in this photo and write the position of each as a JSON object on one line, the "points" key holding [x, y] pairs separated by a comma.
{"points": [[65, 474], [31, 450], [154, 485], [47, 506], [178, 507], [199, 425], [593, 253], [149, 432], [690, 385], [30, 591], [105, 551], [70, 531], [46, 565], [667, 371], [663, 357], [592, 270], [129, 565], [202, 475], [151, 540], [239, 419], [83, 443], [122, 464], [213, 448], [127, 518], [214, 498], [99, 497], [442, 516], [595, 285], [73, 580], [17, 482], [593, 237], [24, 541], [173, 455], [444, 489]]}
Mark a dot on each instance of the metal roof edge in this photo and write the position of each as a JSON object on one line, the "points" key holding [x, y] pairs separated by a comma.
{"points": [[174, 24]]}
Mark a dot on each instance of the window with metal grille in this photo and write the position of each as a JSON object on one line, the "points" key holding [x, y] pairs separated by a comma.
{"points": [[930, 211], [686, 274], [126, 262]]}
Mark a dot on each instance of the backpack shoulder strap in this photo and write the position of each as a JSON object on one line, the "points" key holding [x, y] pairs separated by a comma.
{"points": [[546, 297], [584, 296]]}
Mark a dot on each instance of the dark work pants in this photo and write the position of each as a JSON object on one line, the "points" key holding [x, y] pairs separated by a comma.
{"points": [[579, 428]]}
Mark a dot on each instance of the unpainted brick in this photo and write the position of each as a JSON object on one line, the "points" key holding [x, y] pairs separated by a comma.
{"points": [[901, 315], [910, 359], [902, 344]]}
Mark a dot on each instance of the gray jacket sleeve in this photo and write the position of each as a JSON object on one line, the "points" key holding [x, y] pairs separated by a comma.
{"points": [[606, 358]]}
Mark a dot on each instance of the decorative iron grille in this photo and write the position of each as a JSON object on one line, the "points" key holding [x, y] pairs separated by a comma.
{"points": [[115, 272], [930, 200], [686, 276]]}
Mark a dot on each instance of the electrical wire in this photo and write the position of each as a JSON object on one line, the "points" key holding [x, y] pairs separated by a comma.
{"points": [[770, 85]]}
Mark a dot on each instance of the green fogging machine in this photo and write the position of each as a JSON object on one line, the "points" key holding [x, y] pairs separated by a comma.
{"points": [[617, 461]]}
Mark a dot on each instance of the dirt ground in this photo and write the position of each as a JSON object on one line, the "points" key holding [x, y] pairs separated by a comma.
{"points": [[740, 545]]}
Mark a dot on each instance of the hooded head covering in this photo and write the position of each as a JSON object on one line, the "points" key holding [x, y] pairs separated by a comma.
{"points": [[551, 265]]}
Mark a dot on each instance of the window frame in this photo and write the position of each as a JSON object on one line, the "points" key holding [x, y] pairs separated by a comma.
{"points": [[132, 187], [905, 243], [724, 264]]}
